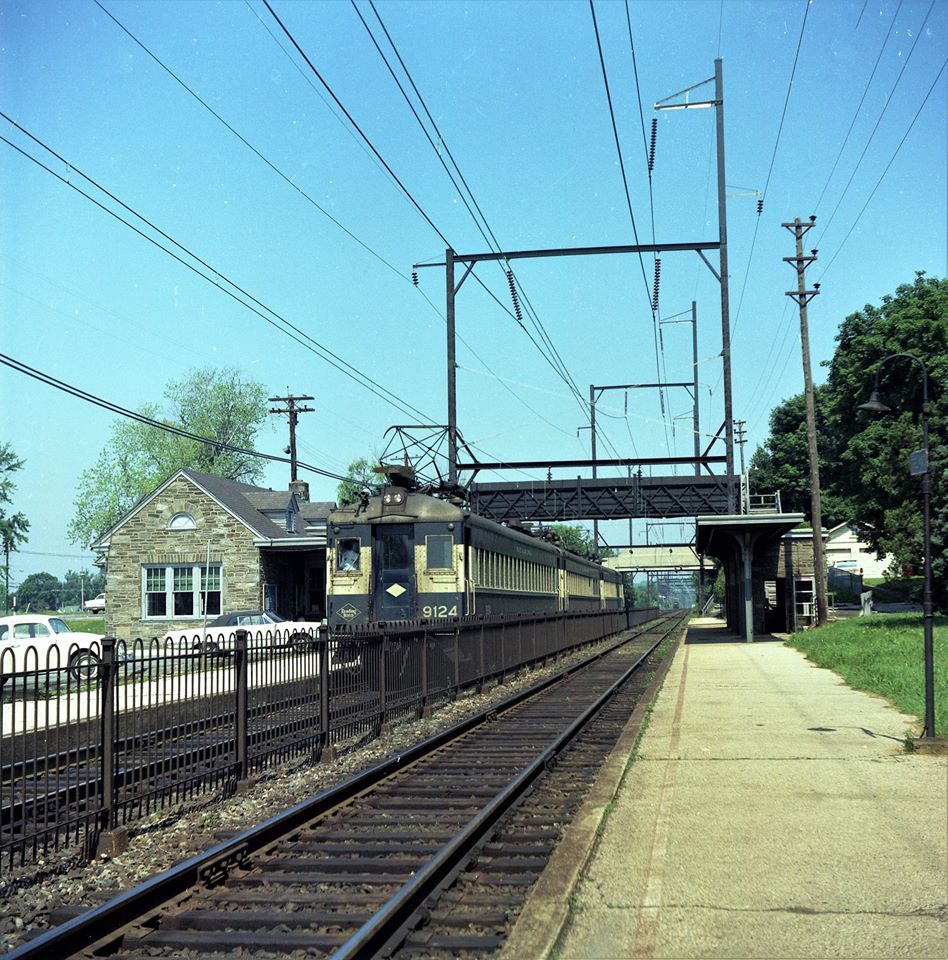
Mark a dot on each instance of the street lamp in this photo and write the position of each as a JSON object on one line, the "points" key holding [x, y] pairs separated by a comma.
{"points": [[919, 465]]}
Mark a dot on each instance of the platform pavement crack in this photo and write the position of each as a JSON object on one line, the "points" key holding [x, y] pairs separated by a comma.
{"points": [[936, 913]]}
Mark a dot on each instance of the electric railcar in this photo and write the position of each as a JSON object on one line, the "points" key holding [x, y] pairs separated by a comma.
{"points": [[404, 555]]}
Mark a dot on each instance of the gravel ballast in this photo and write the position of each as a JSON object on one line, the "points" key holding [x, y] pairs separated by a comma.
{"points": [[31, 893]]}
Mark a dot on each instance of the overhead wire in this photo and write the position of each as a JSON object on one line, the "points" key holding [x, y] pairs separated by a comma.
{"points": [[480, 219], [98, 401], [280, 323], [356, 126], [775, 380], [277, 170], [885, 171], [628, 196], [773, 158], [905, 63], [865, 90], [766, 378], [288, 180]]}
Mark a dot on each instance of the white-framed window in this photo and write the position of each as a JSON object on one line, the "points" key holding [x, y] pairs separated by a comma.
{"points": [[181, 591], [182, 521]]}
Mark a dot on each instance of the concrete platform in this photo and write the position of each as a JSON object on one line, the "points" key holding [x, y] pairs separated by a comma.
{"points": [[770, 812]]}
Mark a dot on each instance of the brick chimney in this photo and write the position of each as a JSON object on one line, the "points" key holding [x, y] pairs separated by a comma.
{"points": [[301, 489]]}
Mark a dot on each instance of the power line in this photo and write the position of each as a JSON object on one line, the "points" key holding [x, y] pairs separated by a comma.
{"points": [[852, 123], [298, 335], [770, 171], [249, 145], [98, 401], [886, 170], [278, 171], [878, 122], [479, 218], [628, 198], [355, 125]]}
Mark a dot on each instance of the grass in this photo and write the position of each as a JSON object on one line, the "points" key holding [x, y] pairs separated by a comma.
{"points": [[901, 590], [85, 624], [884, 654]]}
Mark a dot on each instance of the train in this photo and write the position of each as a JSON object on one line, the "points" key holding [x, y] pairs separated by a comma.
{"points": [[404, 554]]}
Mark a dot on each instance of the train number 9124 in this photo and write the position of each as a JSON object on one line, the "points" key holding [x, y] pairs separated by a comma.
{"points": [[437, 611]]}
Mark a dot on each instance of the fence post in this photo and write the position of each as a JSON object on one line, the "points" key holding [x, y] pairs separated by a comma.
{"points": [[385, 728], [327, 751], [424, 711], [107, 734], [503, 649], [480, 643], [241, 718]]}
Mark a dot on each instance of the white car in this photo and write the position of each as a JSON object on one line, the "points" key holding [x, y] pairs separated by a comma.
{"points": [[261, 625], [96, 604], [55, 644]]}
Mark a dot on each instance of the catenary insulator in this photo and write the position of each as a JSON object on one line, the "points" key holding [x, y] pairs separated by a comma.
{"points": [[760, 206], [651, 148], [657, 281], [414, 277]]}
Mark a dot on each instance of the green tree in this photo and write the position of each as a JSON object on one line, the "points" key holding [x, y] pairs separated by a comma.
{"points": [[783, 461], [864, 459], [13, 526], [81, 585], [219, 404], [573, 536], [872, 475], [360, 476], [39, 591]]}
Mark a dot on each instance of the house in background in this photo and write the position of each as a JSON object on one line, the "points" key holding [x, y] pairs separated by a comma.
{"points": [[844, 550], [201, 545]]}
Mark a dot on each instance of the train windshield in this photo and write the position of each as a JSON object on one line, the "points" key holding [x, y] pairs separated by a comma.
{"points": [[394, 572]]}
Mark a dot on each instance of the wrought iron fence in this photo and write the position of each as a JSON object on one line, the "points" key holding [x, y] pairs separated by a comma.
{"points": [[92, 743]]}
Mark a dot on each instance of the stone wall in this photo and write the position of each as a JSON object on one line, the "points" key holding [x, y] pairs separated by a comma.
{"points": [[146, 539]]}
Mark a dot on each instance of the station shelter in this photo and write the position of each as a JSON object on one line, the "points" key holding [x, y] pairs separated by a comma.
{"points": [[768, 565]]}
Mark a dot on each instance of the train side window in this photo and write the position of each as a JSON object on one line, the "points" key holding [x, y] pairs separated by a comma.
{"points": [[347, 554], [438, 548]]}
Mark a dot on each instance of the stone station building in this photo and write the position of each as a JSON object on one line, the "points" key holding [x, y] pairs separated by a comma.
{"points": [[200, 545]]}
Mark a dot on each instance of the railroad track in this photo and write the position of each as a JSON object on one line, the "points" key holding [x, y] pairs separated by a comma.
{"points": [[427, 854]]}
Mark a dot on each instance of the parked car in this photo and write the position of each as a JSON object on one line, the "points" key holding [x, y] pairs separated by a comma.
{"points": [[96, 604], [77, 650], [260, 624]]}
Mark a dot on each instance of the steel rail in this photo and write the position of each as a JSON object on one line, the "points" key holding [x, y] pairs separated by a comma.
{"points": [[107, 920], [381, 934]]}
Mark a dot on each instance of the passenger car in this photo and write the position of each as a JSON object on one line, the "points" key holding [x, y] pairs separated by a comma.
{"points": [[260, 625], [55, 644], [405, 555], [96, 604]]}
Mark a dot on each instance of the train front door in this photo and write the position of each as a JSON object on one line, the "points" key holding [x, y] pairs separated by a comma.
{"points": [[394, 565]]}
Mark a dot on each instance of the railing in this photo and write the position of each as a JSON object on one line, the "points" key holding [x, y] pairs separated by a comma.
{"points": [[145, 726], [844, 580], [764, 503]]}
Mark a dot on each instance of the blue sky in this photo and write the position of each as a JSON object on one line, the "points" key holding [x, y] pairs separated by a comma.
{"points": [[516, 89]]}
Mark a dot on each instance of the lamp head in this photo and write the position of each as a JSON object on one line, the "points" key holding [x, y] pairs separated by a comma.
{"points": [[874, 404]]}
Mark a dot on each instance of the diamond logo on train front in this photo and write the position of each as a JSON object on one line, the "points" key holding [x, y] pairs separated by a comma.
{"points": [[348, 612]]}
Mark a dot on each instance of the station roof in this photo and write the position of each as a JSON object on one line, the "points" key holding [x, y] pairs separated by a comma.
{"points": [[654, 557], [717, 533]]}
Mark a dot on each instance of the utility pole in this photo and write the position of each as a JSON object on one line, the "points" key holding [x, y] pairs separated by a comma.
{"points": [[6, 569], [740, 439], [803, 297], [745, 485], [292, 411]]}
